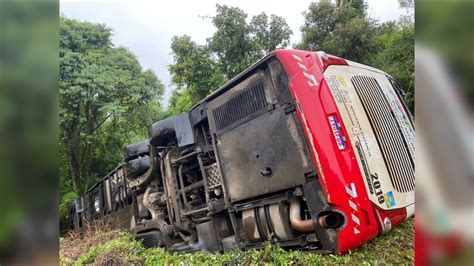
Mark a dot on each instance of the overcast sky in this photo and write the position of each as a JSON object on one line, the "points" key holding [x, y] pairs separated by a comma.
{"points": [[146, 27]]}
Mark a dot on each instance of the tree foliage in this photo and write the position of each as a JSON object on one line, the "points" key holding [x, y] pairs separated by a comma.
{"points": [[236, 44], [232, 42], [106, 101], [407, 4], [344, 29], [270, 33], [194, 73], [396, 56], [340, 29]]}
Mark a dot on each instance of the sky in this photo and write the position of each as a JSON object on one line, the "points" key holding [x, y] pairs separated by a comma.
{"points": [[146, 27]]}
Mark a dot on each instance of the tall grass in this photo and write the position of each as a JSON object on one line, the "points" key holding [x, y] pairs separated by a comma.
{"points": [[396, 247]]}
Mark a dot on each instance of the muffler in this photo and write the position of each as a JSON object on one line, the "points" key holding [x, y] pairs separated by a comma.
{"points": [[303, 226], [328, 219]]}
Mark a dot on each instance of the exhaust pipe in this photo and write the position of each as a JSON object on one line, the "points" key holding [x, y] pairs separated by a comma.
{"points": [[303, 226], [329, 219]]}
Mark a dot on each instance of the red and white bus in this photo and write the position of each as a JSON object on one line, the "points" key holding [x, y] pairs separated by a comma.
{"points": [[302, 148]]}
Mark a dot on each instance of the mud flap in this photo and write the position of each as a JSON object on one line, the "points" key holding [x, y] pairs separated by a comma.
{"points": [[207, 236], [316, 204]]}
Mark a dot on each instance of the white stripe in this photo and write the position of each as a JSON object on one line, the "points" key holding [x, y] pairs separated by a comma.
{"points": [[356, 231], [353, 206], [352, 190], [355, 219], [312, 79], [297, 57], [302, 66]]}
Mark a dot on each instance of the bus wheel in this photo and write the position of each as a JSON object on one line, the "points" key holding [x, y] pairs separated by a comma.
{"points": [[137, 166], [136, 149], [161, 132], [151, 239]]}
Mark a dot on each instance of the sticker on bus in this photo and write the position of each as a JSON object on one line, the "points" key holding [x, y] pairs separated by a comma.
{"points": [[336, 131]]}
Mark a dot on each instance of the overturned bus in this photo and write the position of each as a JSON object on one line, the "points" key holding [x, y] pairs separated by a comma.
{"points": [[302, 148]]}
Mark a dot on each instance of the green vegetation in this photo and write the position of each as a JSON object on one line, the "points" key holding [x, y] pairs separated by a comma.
{"points": [[396, 247], [198, 70], [28, 117], [107, 100], [343, 29]]}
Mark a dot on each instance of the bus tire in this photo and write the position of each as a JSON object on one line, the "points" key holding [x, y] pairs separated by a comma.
{"points": [[136, 149], [161, 132], [136, 167], [151, 239]]}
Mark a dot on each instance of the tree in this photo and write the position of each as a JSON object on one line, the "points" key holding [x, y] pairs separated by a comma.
{"points": [[237, 44], [105, 97], [200, 69], [270, 34], [343, 29], [407, 4], [319, 22], [396, 56], [232, 42], [352, 40], [360, 6], [194, 73]]}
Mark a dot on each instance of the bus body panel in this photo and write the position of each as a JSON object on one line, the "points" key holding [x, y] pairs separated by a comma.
{"points": [[320, 83]]}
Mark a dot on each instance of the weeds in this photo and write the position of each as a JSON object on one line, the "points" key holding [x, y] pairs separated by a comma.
{"points": [[395, 247]]}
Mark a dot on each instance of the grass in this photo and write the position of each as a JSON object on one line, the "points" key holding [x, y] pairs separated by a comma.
{"points": [[396, 247]]}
